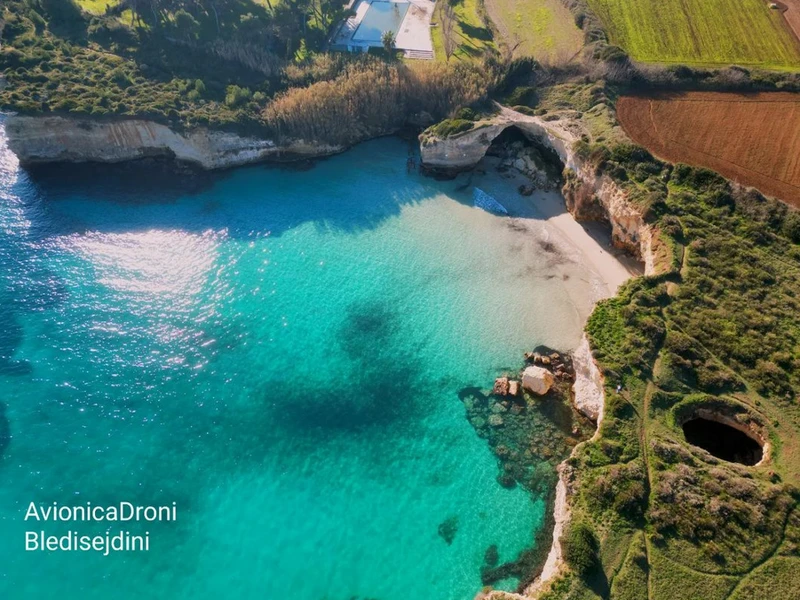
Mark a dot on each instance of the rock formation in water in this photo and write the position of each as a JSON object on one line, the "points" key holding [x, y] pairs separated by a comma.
{"points": [[537, 380]]}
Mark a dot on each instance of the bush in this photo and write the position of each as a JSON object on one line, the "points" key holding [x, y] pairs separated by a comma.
{"points": [[791, 226], [579, 545], [236, 96], [450, 127], [467, 114]]}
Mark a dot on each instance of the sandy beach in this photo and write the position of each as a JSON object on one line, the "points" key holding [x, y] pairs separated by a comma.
{"points": [[590, 244]]}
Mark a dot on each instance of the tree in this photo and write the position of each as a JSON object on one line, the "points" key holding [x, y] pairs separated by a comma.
{"points": [[448, 21], [186, 24], [388, 40]]}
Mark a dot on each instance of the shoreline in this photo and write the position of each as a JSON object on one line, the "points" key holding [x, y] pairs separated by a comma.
{"points": [[592, 242]]}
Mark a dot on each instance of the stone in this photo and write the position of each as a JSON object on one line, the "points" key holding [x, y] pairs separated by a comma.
{"points": [[448, 529], [495, 420], [513, 387], [537, 380], [478, 422], [500, 386], [498, 408]]}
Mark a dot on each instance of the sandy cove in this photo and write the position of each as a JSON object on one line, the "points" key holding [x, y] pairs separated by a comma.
{"points": [[589, 242]]}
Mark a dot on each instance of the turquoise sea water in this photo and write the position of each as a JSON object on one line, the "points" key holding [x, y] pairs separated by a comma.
{"points": [[279, 353]]}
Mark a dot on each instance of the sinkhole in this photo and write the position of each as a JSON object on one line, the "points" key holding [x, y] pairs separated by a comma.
{"points": [[723, 441]]}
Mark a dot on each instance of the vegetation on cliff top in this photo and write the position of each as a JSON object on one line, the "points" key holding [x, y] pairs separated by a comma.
{"points": [[233, 64], [717, 330]]}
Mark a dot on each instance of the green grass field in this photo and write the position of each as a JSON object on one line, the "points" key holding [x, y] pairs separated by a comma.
{"points": [[544, 29], [472, 34], [745, 32], [96, 7]]}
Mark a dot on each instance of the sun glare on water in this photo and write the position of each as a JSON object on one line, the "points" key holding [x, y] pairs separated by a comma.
{"points": [[158, 263]]}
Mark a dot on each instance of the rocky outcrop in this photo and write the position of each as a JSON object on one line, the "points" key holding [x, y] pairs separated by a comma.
{"points": [[461, 152], [588, 195], [44, 139], [537, 380], [593, 197], [588, 387]]}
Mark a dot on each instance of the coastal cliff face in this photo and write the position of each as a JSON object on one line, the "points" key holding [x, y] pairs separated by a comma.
{"points": [[45, 139], [589, 196], [593, 197]]}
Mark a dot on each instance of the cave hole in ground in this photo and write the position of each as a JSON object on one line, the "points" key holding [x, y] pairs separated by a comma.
{"points": [[512, 143], [723, 441]]}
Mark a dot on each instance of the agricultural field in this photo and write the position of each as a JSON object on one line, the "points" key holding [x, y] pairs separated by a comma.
{"points": [[753, 139], [544, 29], [745, 32]]}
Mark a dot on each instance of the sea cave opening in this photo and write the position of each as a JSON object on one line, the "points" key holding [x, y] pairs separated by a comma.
{"points": [[527, 152], [723, 441]]}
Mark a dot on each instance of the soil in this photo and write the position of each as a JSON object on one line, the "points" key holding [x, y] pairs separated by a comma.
{"points": [[753, 139], [791, 12]]}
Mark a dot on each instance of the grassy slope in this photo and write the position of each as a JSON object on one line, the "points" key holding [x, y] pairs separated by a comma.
{"points": [[474, 37], [700, 31], [720, 326], [543, 29], [97, 7]]}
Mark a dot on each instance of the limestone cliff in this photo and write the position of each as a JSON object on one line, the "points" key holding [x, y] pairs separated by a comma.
{"points": [[588, 195], [43, 139]]}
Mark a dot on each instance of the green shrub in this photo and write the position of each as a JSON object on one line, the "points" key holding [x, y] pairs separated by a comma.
{"points": [[450, 127], [236, 96], [579, 545], [467, 114]]}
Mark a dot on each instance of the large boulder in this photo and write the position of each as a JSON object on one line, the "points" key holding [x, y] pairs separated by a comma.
{"points": [[537, 380]]}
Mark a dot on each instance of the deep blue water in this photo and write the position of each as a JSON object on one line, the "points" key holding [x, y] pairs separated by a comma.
{"points": [[279, 353]]}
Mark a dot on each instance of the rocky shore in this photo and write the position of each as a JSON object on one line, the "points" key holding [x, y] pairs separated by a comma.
{"points": [[528, 421], [53, 139], [588, 197]]}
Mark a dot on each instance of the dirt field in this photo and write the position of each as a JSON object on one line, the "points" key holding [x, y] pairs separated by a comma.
{"points": [[791, 12], [753, 139]]}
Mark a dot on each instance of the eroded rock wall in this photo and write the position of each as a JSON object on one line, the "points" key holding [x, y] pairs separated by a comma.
{"points": [[589, 196], [43, 139]]}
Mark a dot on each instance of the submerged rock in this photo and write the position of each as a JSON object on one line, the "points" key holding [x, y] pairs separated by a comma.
{"points": [[496, 420], [448, 529], [501, 385], [492, 557], [537, 380]]}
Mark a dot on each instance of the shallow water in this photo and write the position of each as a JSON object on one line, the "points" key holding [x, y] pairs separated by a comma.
{"points": [[279, 353]]}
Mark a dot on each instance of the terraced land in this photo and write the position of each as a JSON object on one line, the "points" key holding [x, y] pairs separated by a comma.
{"points": [[745, 32], [753, 139]]}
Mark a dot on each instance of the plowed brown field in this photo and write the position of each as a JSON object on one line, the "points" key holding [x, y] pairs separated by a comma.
{"points": [[753, 139]]}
